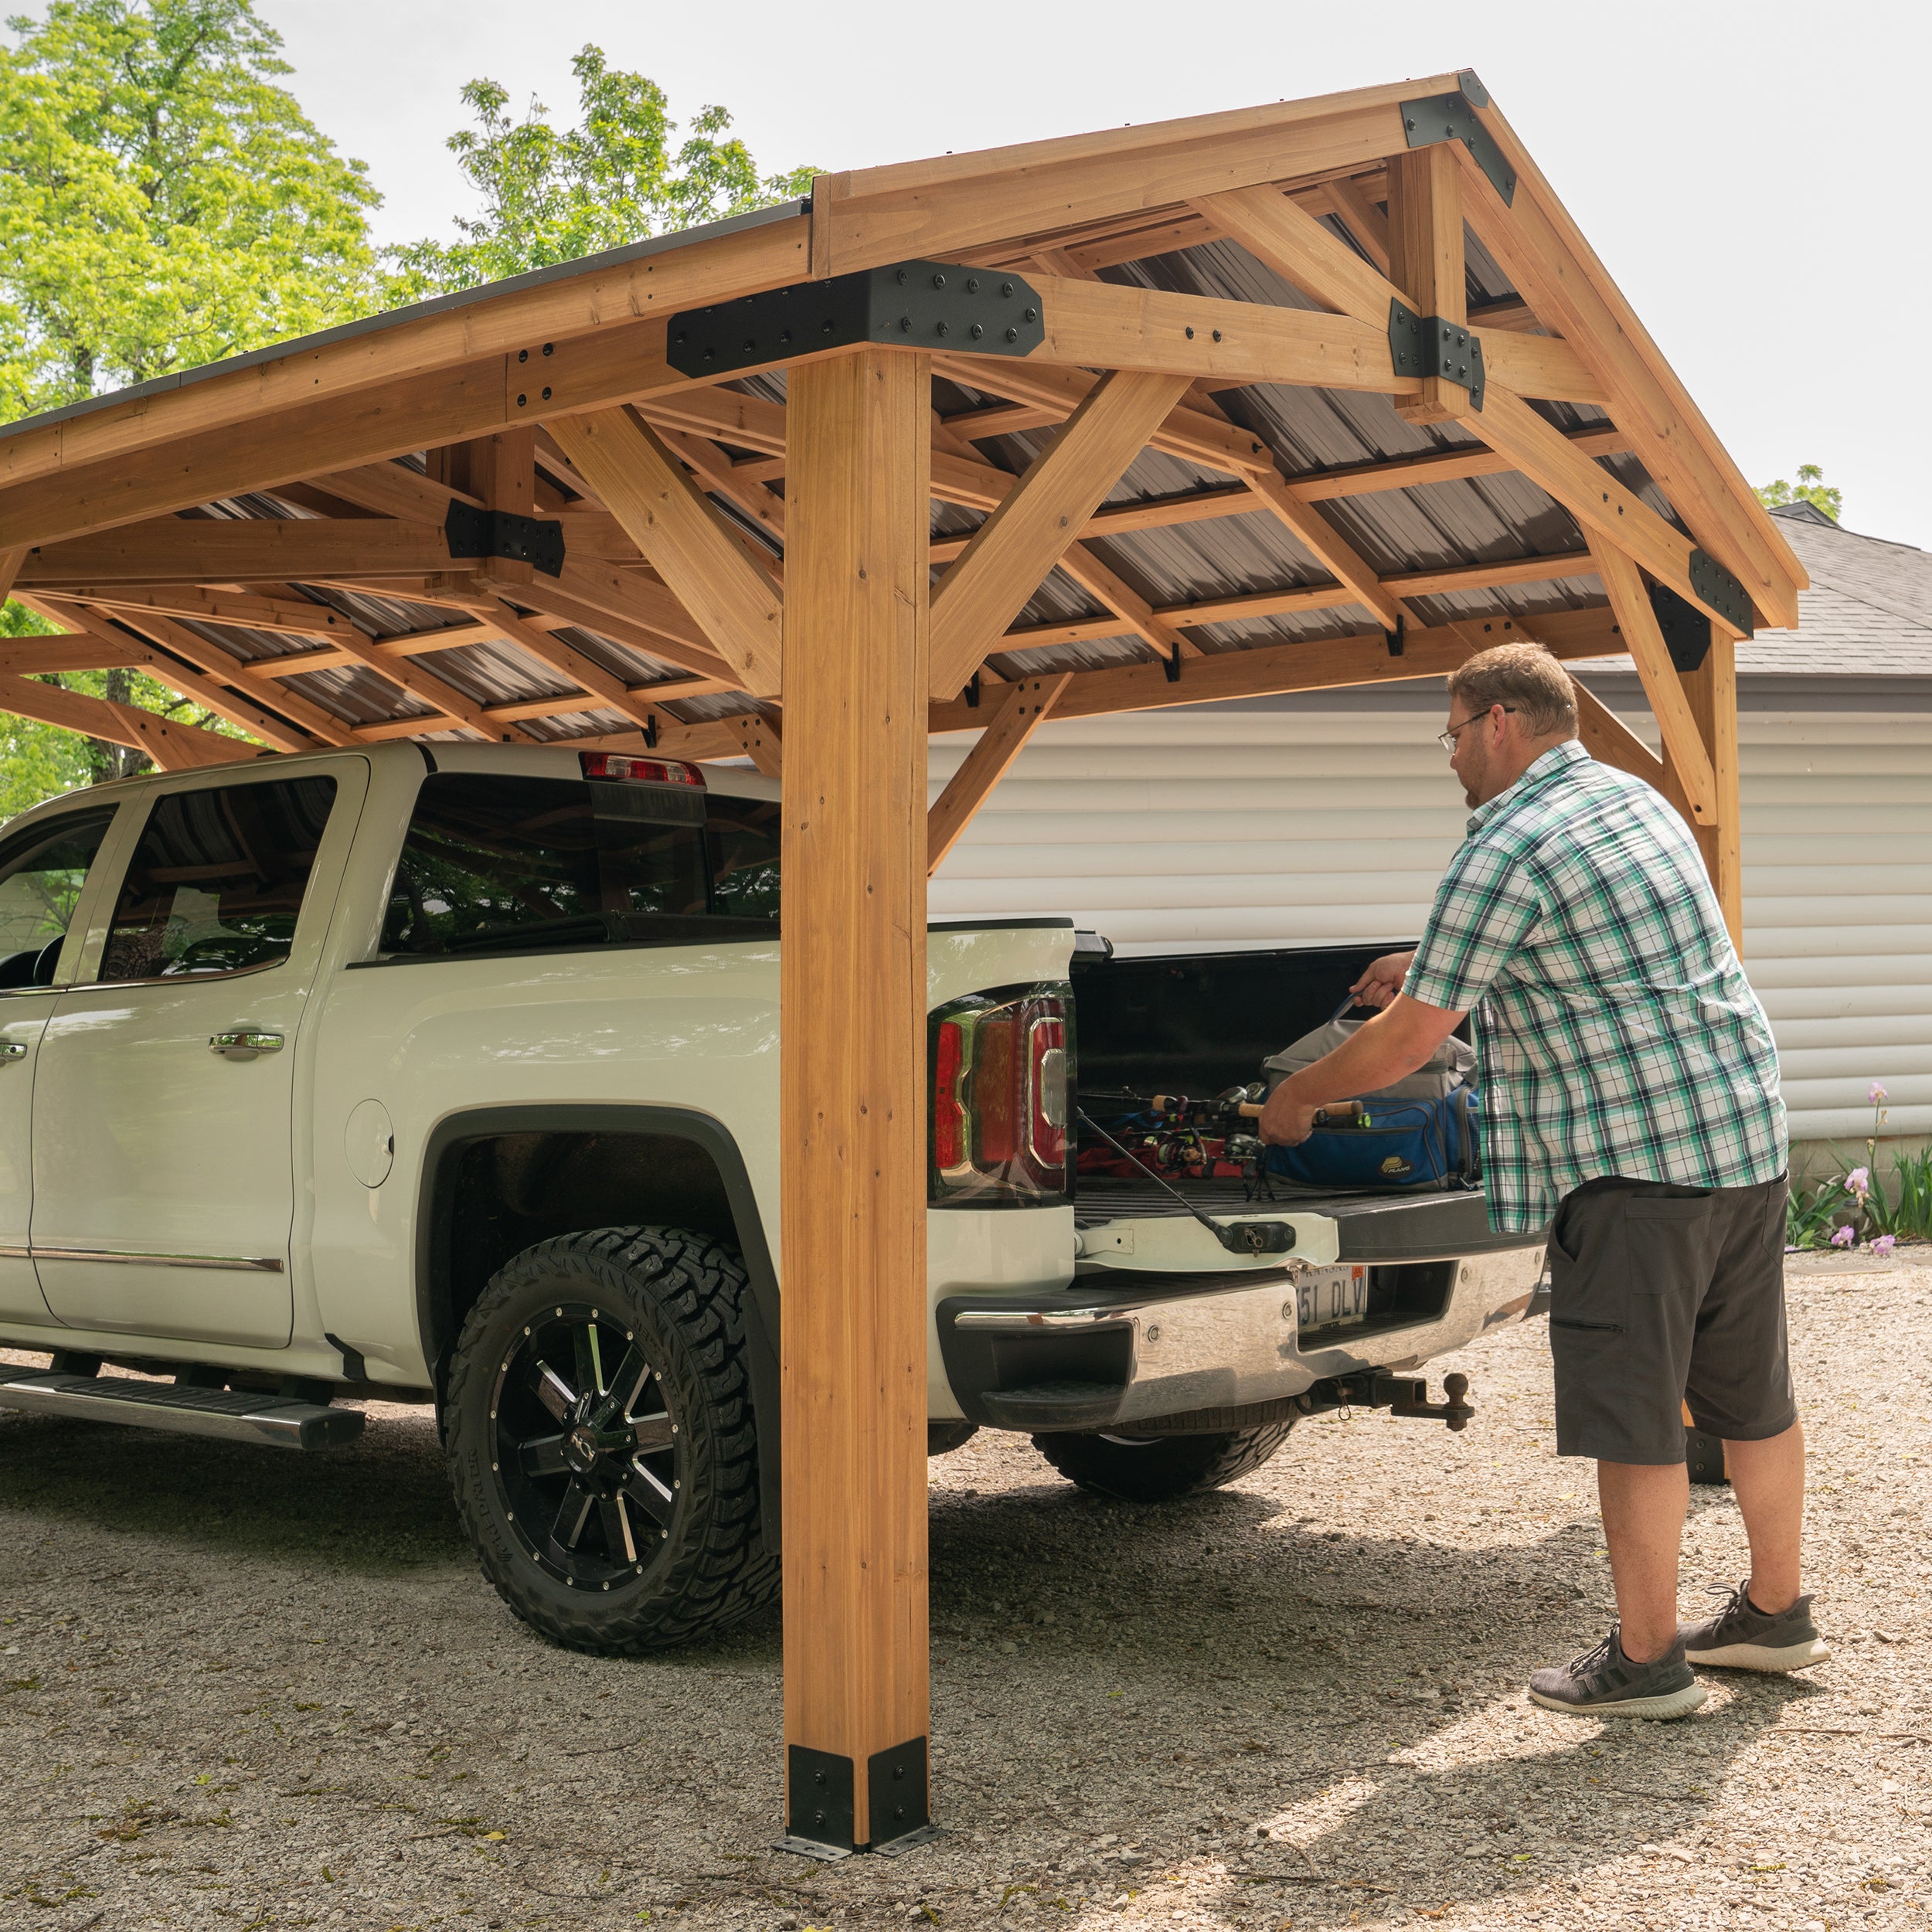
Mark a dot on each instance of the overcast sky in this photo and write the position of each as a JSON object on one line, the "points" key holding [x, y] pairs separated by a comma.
{"points": [[1754, 175]]}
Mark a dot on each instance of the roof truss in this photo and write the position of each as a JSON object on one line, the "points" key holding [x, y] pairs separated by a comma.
{"points": [[560, 397]]}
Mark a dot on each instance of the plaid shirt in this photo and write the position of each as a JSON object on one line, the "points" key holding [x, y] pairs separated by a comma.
{"points": [[1616, 1031]]}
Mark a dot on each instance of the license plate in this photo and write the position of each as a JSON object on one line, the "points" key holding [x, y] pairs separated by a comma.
{"points": [[1335, 1299]]}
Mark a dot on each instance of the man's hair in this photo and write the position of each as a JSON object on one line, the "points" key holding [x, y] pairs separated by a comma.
{"points": [[1524, 677]]}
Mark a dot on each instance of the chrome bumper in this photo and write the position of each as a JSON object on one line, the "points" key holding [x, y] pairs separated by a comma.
{"points": [[1117, 1346]]}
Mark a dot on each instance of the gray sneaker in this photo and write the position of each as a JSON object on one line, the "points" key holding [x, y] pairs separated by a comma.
{"points": [[1604, 1682], [1741, 1637]]}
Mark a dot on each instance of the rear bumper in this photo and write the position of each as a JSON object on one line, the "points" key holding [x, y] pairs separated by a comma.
{"points": [[1121, 1345]]}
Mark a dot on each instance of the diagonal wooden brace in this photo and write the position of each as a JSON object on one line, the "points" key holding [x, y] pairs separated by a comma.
{"points": [[1014, 550], [644, 486], [1683, 745], [1022, 711]]}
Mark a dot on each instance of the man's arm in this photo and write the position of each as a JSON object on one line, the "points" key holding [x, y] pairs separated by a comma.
{"points": [[1397, 1040]]}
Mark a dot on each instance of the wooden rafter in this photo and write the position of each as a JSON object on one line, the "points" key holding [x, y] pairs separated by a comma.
{"points": [[199, 670], [172, 746], [72, 650], [1546, 257], [1607, 511]]}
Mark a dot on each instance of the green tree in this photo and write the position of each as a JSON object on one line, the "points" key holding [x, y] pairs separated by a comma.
{"points": [[550, 195], [163, 202], [1811, 487], [37, 760]]}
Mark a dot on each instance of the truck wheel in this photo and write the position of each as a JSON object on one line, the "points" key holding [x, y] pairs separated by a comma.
{"points": [[1159, 1468], [600, 1439]]}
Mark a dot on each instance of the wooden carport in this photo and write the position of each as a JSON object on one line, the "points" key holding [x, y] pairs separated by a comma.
{"points": [[929, 452]]}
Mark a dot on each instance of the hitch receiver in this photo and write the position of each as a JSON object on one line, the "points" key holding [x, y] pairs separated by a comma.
{"points": [[1400, 1395]]}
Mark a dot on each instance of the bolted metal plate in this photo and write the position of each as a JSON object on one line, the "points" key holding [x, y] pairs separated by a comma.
{"points": [[1453, 117], [1687, 630], [818, 1800], [895, 1799], [1427, 345], [471, 532], [925, 305], [1716, 586]]}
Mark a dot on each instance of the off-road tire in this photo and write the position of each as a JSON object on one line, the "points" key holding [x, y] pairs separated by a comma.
{"points": [[1161, 1468], [683, 1296]]}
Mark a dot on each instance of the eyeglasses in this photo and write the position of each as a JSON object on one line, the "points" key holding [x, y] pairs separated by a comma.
{"points": [[1447, 739]]}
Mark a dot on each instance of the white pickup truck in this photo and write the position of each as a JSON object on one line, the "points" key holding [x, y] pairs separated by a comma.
{"points": [[448, 1073]]}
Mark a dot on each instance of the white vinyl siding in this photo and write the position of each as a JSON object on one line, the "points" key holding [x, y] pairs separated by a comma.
{"points": [[1199, 830]]}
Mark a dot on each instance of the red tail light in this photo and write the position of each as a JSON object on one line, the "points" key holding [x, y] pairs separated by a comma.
{"points": [[949, 1103], [1002, 1075], [648, 771]]}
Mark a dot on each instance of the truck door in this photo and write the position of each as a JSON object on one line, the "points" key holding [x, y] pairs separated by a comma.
{"points": [[43, 869], [163, 1188]]}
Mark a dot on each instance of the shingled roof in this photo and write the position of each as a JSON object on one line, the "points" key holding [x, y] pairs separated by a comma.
{"points": [[1868, 613]]}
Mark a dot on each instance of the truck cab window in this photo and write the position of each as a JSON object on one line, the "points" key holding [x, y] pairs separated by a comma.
{"points": [[744, 856], [216, 883], [41, 872], [492, 860]]}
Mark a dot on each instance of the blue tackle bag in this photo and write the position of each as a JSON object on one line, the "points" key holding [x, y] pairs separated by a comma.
{"points": [[1425, 1132]]}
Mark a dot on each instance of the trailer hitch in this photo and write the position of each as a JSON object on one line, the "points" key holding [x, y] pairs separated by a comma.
{"points": [[1400, 1395]]}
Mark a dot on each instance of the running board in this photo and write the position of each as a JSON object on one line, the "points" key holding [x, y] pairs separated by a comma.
{"points": [[232, 1415]]}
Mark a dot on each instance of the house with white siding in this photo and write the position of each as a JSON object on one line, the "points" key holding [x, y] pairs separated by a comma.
{"points": [[1326, 818]]}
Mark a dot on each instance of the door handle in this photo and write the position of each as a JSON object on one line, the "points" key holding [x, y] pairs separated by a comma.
{"points": [[244, 1043], [12, 1049]]}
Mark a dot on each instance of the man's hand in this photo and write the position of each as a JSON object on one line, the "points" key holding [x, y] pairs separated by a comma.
{"points": [[1286, 1121], [1382, 981]]}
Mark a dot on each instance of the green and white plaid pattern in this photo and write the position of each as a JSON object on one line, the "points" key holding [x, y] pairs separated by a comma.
{"points": [[1617, 1033]]}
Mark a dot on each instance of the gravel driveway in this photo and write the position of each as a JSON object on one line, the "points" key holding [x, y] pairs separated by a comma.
{"points": [[247, 1690]]}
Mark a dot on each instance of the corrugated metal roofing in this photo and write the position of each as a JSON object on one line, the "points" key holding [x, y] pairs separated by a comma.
{"points": [[1442, 525]]}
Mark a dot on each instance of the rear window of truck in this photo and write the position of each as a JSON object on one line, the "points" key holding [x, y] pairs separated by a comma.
{"points": [[520, 864]]}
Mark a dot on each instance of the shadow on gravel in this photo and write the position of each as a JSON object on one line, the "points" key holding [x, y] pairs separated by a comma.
{"points": [[1209, 1666], [379, 1505], [1245, 1667]]}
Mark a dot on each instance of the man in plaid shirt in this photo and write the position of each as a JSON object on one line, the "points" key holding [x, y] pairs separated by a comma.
{"points": [[1631, 1105]]}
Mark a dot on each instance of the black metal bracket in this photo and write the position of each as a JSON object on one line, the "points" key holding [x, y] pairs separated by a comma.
{"points": [[1427, 345], [474, 533], [1686, 629], [1397, 639], [1171, 664], [896, 1800], [970, 692], [1453, 117], [928, 305], [818, 1804], [1721, 591]]}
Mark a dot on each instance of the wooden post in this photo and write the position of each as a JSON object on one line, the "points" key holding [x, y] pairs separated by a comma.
{"points": [[851, 1101], [1712, 689], [1426, 260]]}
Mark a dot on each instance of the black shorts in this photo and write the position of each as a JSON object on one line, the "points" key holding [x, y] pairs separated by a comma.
{"points": [[1661, 1296]]}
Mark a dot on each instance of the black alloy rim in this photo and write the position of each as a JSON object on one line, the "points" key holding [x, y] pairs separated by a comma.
{"points": [[584, 1447]]}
